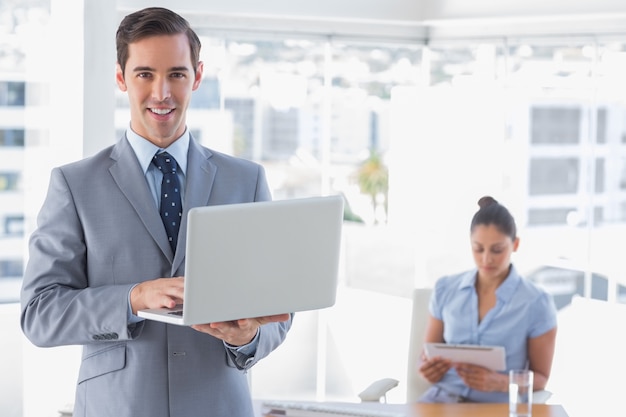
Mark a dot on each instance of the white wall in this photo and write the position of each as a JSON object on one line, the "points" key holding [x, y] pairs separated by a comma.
{"points": [[99, 72], [409, 20], [399, 10], [465, 9], [81, 88], [10, 366], [432, 132]]}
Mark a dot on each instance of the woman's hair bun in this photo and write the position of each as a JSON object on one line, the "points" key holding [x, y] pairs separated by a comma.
{"points": [[486, 201], [492, 212]]}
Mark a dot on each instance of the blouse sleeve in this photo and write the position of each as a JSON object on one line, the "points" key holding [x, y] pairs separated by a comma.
{"points": [[435, 304], [543, 315]]}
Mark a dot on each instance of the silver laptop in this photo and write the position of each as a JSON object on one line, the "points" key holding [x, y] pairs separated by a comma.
{"points": [[258, 259]]}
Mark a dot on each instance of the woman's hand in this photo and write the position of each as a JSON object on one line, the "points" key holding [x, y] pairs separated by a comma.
{"points": [[433, 369], [482, 379]]}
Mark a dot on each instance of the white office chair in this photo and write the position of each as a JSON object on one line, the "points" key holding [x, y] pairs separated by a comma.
{"points": [[416, 385]]}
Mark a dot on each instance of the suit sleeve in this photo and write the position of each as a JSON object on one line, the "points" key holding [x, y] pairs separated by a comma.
{"points": [[270, 336], [58, 305], [262, 188]]}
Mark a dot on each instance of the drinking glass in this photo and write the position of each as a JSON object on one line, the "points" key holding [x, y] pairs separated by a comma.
{"points": [[520, 393]]}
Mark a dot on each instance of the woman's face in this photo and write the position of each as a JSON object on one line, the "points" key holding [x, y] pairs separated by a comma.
{"points": [[492, 251]]}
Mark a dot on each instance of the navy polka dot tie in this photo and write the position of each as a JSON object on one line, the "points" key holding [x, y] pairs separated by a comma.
{"points": [[171, 208]]}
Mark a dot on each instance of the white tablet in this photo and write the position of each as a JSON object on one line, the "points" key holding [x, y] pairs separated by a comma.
{"points": [[492, 357]]}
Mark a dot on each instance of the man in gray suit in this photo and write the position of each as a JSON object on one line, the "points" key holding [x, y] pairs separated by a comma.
{"points": [[101, 251]]}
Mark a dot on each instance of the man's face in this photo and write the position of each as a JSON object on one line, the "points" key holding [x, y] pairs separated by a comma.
{"points": [[159, 80]]}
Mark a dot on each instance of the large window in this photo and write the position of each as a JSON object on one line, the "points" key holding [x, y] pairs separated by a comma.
{"points": [[412, 134], [12, 137], [12, 93]]}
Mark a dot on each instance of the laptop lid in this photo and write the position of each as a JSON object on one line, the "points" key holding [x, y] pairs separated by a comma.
{"points": [[258, 259]]}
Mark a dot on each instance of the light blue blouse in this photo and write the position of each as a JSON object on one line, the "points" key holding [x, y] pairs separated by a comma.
{"points": [[522, 311]]}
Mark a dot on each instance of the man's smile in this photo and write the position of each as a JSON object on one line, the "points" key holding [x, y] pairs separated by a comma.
{"points": [[161, 111]]}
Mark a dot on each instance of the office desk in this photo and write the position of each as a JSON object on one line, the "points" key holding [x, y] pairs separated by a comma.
{"points": [[448, 410], [480, 410]]}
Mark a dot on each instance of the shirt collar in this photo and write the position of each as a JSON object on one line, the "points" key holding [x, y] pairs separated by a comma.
{"points": [[504, 291], [145, 150], [468, 279]]}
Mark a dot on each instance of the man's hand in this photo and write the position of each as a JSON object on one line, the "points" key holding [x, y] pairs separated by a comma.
{"points": [[238, 332], [157, 293]]}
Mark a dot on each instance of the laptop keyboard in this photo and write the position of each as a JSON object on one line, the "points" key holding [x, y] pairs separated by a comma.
{"points": [[176, 313]]}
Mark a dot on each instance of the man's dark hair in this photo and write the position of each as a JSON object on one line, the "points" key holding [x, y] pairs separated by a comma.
{"points": [[154, 21]]}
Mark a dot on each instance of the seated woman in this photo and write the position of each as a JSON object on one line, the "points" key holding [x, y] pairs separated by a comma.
{"points": [[489, 305]]}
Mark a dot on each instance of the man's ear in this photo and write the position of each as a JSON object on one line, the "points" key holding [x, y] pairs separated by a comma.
{"points": [[198, 76], [119, 77]]}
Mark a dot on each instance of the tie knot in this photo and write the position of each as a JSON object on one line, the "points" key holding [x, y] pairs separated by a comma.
{"points": [[165, 162]]}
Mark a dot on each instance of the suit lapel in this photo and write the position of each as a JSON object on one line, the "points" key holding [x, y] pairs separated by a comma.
{"points": [[128, 176], [198, 184]]}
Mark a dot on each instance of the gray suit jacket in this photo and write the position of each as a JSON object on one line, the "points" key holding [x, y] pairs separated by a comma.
{"points": [[99, 233]]}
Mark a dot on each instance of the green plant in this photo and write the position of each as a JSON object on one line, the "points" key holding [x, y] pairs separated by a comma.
{"points": [[373, 180]]}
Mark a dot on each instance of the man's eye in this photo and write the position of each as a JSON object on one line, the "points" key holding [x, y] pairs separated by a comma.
{"points": [[144, 75], [178, 75]]}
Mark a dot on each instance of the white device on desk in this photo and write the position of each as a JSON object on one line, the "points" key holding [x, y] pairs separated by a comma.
{"points": [[319, 409], [67, 410], [258, 259], [378, 389]]}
